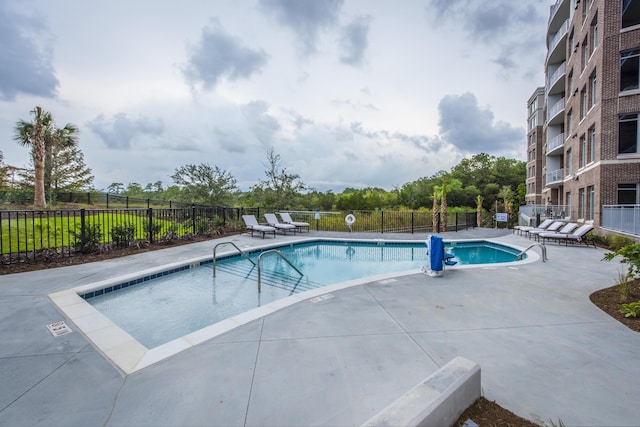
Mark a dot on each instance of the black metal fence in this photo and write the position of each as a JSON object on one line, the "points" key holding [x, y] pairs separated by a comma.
{"points": [[28, 235]]}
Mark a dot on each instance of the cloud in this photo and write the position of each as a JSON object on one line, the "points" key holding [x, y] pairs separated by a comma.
{"points": [[471, 129], [516, 28], [306, 18], [354, 40], [262, 125], [119, 131], [26, 67], [218, 54]]}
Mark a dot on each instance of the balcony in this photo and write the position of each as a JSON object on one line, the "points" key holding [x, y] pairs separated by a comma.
{"points": [[622, 218], [555, 145], [555, 113], [557, 50], [555, 178], [557, 14], [555, 83]]}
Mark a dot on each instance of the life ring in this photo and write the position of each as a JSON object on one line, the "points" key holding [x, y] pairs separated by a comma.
{"points": [[350, 219]]}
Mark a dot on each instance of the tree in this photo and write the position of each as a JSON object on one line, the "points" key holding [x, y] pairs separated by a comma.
{"points": [[115, 188], [281, 188], [4, 173], [33, 134], [56, 140], [67, 170], [506, 194], [447, 184], [204, 184], [479, 210]]}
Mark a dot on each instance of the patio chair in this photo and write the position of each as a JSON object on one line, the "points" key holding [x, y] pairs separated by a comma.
{"points": [[251, 224], [286, 218], [525, 228], [578, 236], [554, 227], [273, 222]]}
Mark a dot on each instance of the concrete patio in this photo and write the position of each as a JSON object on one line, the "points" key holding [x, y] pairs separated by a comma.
{"points": [[545, 351]]}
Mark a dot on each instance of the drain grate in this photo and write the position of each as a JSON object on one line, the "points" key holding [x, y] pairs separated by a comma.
{"points": [[58, 328]]}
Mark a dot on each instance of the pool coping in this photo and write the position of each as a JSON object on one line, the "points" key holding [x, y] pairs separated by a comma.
{"points": [[129, 356]]}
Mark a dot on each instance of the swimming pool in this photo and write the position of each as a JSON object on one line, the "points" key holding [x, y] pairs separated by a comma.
{"points": [[186, 305]]}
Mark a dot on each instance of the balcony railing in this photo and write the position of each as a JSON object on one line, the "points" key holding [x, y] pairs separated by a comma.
{"points": [[555, 109], [562, 31], [557, 74], [555, 142], [555, 176], [554, 9], [622, 218]]}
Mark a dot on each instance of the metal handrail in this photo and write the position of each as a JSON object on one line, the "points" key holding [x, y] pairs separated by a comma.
{"points": [[243, 253], [281, 256], [542, 247]]}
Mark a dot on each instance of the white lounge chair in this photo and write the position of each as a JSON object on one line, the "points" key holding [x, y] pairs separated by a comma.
{"points": [[552, 228], [578, 236], [273, 222], [251, 223], [525, 228], [286, 218]]}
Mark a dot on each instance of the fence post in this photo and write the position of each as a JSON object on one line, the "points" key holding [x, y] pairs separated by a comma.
{"points": [[456, 222], [148, 203], [89, 199], [83, 235], [382, 221], [412, 221], [126, 202], [150, 226], [193, 218], [107, 200]]}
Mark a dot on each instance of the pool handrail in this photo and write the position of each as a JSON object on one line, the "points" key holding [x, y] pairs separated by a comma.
{"points": [[543, 249], [276, 251], [243, 253]]}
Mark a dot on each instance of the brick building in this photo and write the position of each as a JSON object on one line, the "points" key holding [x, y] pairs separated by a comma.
{"points": [[589, 155]]}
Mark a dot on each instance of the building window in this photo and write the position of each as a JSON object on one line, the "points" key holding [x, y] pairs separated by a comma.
{"points": [[585, 52], [594, 33], [592, 144], [591, 201], [628, 134], [628, 194], [630, 13], [568, 203], [569, 123], [571, 44], [592, 88], [533, 122], [583, 151], [583, 102], [581, 203], [569, 162], [570, 83], [629, 70]]}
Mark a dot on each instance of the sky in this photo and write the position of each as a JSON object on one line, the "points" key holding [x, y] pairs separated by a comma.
{"points": [[349, 93]]}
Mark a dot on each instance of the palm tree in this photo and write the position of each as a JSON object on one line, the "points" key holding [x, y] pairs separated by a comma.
{"points": [[506, 194], [33, 134], [479, 210], [447, 185], [437, 194]]}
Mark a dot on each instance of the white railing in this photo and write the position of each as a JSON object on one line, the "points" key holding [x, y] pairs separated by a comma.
{"points": [[555, 142], [562, 70], [622, 218], [562, 31], [554, 9], [555, 109], [555, 176]]}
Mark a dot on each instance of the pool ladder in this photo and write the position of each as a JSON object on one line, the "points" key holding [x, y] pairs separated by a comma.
{"points": [[243, 253], [543, 248], [277, 252]]}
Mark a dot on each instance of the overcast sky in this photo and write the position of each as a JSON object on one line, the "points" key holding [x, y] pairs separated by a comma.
{"points": [[350, 93]]}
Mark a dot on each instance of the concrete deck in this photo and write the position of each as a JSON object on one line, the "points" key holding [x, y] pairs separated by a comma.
{"points": [[545, 351]]}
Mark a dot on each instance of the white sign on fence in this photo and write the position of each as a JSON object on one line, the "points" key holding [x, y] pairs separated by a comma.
{"points": [[501, 217]]}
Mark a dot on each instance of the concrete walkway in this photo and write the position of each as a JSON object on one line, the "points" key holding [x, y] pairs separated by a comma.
{"points": [[545, 351]]}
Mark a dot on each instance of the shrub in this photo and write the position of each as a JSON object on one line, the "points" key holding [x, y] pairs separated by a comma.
{"points": [[88, 243], [631, 310], [630, 255], [617, 242], [156, 228], [624, 286], [123, 235]]}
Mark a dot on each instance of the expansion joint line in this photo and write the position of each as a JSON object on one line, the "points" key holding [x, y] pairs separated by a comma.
{"points": [[255, 368]]}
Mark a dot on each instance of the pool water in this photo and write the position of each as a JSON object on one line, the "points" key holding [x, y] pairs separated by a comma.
{"points": [[157, 311]]}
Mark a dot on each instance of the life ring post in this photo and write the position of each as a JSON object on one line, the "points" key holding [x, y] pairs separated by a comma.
{"points": [[350, 220]]}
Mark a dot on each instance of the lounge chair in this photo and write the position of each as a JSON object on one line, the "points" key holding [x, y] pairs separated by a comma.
{"points": [[552, 228], [525, 228], [273, 222], [578, 236], [251, 223], [286, 218]]}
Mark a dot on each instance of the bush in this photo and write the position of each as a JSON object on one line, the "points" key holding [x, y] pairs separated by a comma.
{"points": [[631, 310], [156, 228], [90, 242], [123, 235], [630, 255]]}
